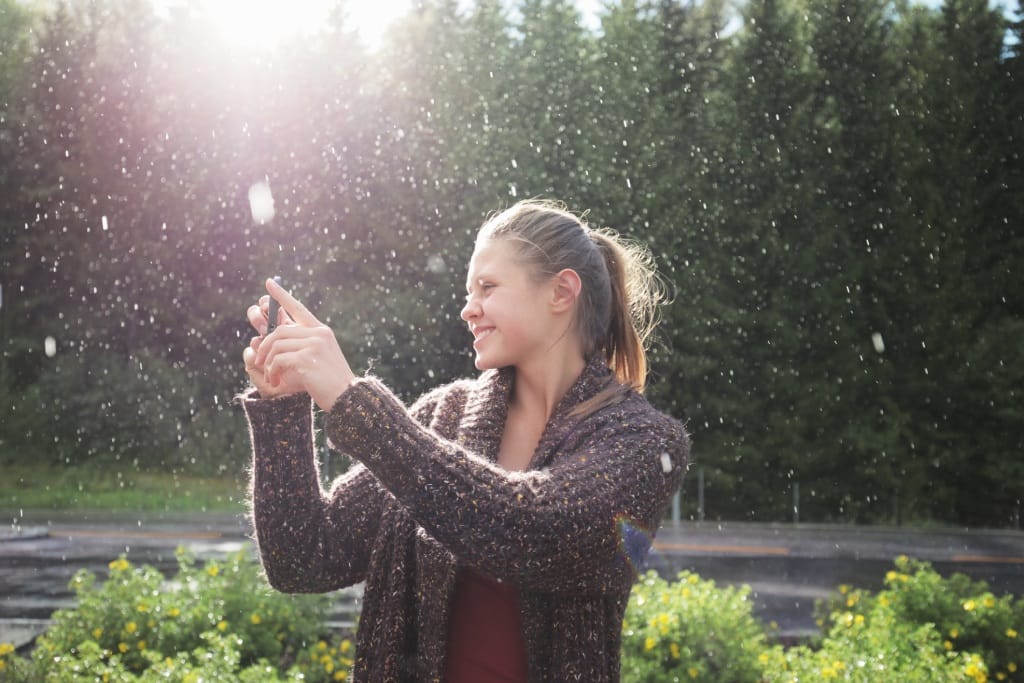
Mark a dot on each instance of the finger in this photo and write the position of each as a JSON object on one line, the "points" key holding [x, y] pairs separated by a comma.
{"points": [[279, 344], [257, 319], [249, 358], [292, 306], [282, 364]]}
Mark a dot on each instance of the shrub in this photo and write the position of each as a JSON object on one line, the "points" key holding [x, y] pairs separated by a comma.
{"points": [[873, 647], [690, 630], [965, 614], [217, 622]]}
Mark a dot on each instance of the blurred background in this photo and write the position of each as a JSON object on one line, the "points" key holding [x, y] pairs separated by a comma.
{"points": [[833, 191]]}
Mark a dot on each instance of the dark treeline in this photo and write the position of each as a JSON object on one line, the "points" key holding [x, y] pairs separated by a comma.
{"points": [[832, 189]]}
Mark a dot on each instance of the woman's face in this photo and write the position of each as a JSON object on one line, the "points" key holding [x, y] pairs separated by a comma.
{"points": [[505, 308]]}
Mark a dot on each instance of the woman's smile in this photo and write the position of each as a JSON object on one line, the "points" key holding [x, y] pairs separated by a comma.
{"points": [[481, 333]]}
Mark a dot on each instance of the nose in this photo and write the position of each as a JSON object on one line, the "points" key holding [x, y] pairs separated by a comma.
{"points": [[470, 310]]}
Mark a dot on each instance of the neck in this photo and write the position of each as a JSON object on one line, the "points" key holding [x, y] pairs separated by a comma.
{"points": [[541, 383]]}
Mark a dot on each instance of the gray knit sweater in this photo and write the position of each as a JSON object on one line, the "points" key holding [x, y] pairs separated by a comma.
{"points": [[427, 496]]}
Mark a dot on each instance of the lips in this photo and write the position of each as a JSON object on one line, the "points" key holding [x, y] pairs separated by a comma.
{"points": [[480, 334]]}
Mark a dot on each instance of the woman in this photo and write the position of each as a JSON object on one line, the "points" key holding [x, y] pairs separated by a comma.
{"points": [[491, 520]]}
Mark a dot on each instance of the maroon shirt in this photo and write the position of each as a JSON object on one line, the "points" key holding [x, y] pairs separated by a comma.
{"points": [[485, 632]]}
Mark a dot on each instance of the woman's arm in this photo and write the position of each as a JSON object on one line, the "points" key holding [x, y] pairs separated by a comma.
{"points": [[309, 540], [567, 527]]}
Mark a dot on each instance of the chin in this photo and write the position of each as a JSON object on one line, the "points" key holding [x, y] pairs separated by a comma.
{"points": [[485, 362]]}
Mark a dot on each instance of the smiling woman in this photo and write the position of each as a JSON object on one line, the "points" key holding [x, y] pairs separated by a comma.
{"points": [[264, 23]]}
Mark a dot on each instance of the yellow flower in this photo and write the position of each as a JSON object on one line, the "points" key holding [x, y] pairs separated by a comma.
{"points": [[1000, 676], [321, 645], [142, 645], [969, 605], [340, 675], [1011, 633], [948, 645], [143, 607], [954, 633], [120, 565], [763, 658], [988, 601], [662, 621], [329, 665], [3, 665], [649, 644], [1011, 667], [859, 619], [852, 600], [692, 580], [844, 589], [693, 672], [130, 627], [6, 649], [173, 612], [122, 648], [255, 619], [674, 649], [346, 645], [890, 576], [222, 626], [213, 570], [96, 633], [828, 672], [883, 600]]}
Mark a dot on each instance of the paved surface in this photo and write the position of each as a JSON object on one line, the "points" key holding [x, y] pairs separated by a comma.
{"points": [[787, 566]]}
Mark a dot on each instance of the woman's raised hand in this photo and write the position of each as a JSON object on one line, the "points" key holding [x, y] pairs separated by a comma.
{"points": [[301, 354]]}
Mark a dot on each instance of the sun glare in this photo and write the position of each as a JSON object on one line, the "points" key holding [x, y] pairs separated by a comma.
{"points": [[265, 23]]}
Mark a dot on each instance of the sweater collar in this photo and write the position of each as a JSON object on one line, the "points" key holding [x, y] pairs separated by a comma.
{"points": [[487, 408]]}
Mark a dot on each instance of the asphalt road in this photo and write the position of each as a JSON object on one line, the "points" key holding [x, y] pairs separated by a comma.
{"points": [[787, 566]]}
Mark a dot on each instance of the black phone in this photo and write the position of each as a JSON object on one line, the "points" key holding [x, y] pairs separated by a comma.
{"points": [[272, 309]]}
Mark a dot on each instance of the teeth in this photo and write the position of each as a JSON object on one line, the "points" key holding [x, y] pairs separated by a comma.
{"points": [[482, 335]]}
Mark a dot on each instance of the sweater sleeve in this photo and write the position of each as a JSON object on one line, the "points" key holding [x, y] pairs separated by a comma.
{"points": [[570, 527], [309, 540]]}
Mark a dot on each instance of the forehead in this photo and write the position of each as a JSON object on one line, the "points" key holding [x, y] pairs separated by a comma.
{"points": [[492, 258]]}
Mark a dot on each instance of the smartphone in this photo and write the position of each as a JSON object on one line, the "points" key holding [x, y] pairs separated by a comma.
{"points": [[272, 309]]}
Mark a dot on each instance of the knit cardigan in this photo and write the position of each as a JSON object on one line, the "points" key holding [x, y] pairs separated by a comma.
{"points": [[427, 496]]}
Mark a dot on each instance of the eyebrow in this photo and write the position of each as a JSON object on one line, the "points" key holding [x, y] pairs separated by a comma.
{"points": [[480, 277]]}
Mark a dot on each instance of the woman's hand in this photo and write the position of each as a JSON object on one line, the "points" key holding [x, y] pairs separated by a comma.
{"points": [[301, 354]]}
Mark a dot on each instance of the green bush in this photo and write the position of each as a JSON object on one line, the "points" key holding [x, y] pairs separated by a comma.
{"points": [[873, 647], [690, 630], [965, 614], [221, 622], [217, 622]]}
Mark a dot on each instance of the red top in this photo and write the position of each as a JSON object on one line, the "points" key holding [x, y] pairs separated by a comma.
{"points": [[485, 632]]}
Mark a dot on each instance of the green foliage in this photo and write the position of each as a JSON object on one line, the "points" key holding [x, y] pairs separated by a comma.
{"points": [[221, 622], [964, 616], [216, 622], [873, 648], [690, 629]]}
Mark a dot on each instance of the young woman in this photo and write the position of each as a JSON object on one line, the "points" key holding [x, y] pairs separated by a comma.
{"points": [[494, 520]]}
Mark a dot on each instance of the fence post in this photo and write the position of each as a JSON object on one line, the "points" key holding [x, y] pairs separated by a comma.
{"points": [[796, 502], [700, 494]]}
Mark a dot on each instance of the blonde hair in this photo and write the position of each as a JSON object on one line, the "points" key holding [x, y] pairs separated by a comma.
{"points": [[621, 291]]}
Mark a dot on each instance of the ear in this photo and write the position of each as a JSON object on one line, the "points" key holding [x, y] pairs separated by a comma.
{"points": [[565, 290]]}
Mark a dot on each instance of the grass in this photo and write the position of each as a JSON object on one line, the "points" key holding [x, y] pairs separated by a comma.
{"points": [[91, 488]]}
